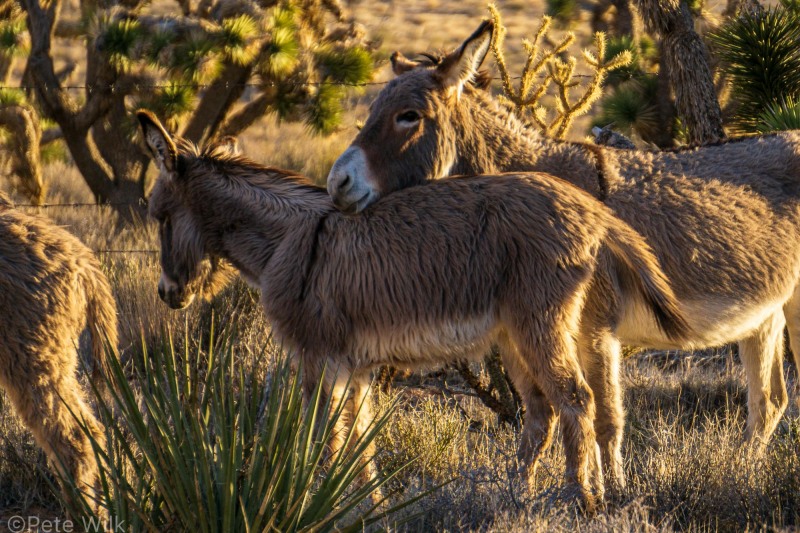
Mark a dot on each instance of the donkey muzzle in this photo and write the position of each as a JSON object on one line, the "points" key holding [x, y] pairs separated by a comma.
{"points": [[173, 294], [348, 182]]}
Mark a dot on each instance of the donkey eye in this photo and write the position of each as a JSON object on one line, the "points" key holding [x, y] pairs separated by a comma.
{"points": [[407, 118]]}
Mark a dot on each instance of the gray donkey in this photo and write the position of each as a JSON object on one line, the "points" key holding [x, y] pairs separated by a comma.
{"points": [[432, 273], [51, 289], [724, 221]]}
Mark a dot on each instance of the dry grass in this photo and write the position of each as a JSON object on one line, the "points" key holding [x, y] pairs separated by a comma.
{"points": [[686, 464], [685, 460]]}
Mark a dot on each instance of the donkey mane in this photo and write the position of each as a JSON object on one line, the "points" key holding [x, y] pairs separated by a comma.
{"points": [[215, 159]]}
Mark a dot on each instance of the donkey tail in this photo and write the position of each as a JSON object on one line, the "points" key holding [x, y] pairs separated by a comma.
{"points": [[101, 321], [630, 248]]}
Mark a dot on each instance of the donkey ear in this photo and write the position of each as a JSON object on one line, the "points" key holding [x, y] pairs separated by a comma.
{"points": [[461, 65], [401, 63], [158, 141]]}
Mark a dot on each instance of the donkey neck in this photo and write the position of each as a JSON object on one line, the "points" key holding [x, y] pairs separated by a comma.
{"points": [[492, 139], [255, 216]]}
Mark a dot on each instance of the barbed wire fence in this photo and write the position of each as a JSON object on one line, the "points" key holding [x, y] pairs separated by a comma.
{"points": [[155, 86], [199, 86], [85, 205]]}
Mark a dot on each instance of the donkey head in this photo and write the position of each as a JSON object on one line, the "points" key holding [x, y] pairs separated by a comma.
{"points": [[408, 137], [186, 269]]}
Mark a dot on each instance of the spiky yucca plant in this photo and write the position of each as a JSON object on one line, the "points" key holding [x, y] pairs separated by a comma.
{"points": [[196, 443], [780, 117], [761, 55]]}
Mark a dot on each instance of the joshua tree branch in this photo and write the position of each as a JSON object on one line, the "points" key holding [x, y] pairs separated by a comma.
{"points": [[57, 104], [51, 135], [217, 102], [246, 116]]}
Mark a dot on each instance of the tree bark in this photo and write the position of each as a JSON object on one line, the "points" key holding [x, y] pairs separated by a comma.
{"points": [[109, 180], [734, 8], [216, 103], [686, 57]]}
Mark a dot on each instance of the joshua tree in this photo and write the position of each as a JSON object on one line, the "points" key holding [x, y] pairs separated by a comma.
{"points": [[212, 71], [685, 65]]}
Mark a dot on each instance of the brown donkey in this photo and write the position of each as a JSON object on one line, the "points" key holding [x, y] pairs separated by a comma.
{"points": [[724, 222], [51, 288], [430, 275]]}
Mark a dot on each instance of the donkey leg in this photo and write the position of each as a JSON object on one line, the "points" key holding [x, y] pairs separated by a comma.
{"points": [[599, 352], [552, 358], [336, 385], [51, 408], [362, 420], [540, 417], [792, 312], [762, 356]]}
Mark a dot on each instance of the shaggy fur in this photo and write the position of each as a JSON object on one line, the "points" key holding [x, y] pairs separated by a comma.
{"points": [[52, 287], [426, 277], [724, 222]]}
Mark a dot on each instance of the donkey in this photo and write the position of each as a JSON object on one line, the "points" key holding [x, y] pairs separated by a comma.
{"points": [[52, 288], [429, 275], [724, 221]]}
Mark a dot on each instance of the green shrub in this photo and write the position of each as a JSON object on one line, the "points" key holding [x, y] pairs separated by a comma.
{"points": [[761, 54], [196, 443]]}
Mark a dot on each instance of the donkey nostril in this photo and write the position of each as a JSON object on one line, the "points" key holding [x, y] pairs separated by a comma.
{"points": [[345, 183]]}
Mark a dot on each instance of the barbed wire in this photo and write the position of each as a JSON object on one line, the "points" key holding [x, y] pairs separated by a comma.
{"points": [[89, 204], [132, 251], [150, 86], [83, 204]]}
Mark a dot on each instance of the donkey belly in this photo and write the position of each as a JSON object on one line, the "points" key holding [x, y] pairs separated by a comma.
{"points": [[714, 322], [415, 345]]}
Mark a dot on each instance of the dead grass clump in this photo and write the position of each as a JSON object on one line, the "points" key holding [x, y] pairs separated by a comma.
{"points": [[24, 471]]}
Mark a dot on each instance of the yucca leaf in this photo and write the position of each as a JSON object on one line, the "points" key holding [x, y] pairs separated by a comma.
{"points": [[9, 96], [780, 117], [324, 112], [239, 39], [11, 36], [195, 59], [562, 11], [118, 41], [216, 450], [761, 54], [283, 52], [350, 65]]}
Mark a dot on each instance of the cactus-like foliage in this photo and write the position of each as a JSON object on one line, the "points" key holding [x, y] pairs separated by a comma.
{"points": [[212, 71], [780, 117], [761, 54], [544, 68], [631, 107]]}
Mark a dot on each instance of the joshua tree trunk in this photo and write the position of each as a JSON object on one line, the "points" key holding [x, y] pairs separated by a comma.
{"points": [[686, 57], [111, 165], [217, 103], [288, 52], [736, 7]]}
